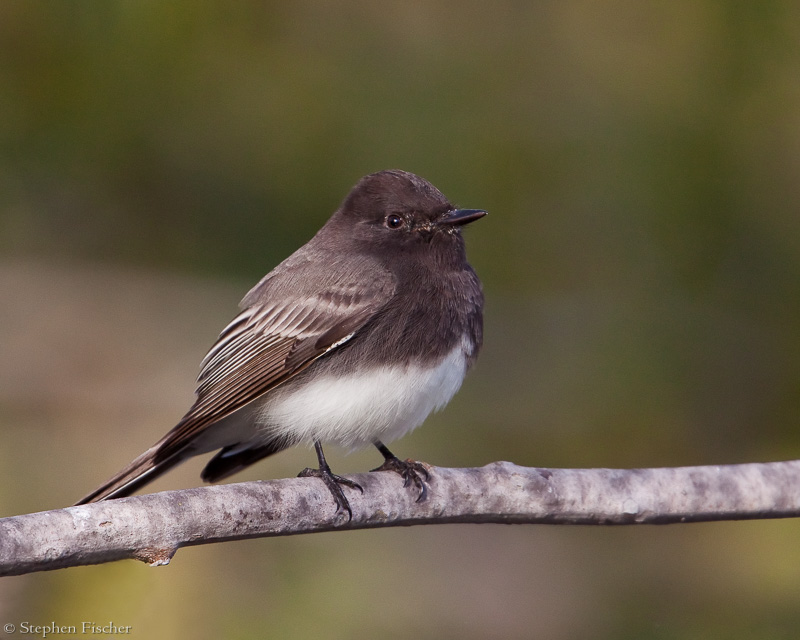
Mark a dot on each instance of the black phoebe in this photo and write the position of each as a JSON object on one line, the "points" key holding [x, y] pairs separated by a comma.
{"points": [[355, 338]]}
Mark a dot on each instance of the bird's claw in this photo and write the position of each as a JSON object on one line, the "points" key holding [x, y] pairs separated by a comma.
{"points": [[334, 484], [411, 472]]}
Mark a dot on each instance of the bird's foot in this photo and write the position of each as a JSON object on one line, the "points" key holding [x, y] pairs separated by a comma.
{"points": [[334, 484], [411, 471]]}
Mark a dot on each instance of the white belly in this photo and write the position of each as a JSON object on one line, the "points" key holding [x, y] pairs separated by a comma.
{"points": [[382, 404]]}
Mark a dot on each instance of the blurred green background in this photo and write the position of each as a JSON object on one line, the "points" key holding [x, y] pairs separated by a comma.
{"points": [[641, 264]]}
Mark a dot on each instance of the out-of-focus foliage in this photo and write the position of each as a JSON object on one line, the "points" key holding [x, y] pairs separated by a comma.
{"points": [[641, 263]]}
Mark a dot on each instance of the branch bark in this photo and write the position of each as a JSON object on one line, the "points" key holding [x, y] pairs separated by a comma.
{"points": [[151, 528]]}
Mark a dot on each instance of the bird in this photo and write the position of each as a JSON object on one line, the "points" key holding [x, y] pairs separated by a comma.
{"points": [[353, 339]]}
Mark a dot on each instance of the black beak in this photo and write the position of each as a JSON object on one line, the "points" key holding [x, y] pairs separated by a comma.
{"points": [[459, 217]]}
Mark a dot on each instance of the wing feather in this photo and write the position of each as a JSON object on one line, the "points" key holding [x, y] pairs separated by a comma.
{"points": [[267, 344]]}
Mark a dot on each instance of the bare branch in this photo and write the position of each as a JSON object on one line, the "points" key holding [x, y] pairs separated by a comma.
{"points": [[152, 528]]}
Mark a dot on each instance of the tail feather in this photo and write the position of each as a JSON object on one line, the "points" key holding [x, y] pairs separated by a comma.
{"points": [[233, 459], [141, 471], [152, 464]]}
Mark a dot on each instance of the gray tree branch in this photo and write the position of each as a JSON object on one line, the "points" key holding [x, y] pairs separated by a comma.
{"points": [[151, 528]]}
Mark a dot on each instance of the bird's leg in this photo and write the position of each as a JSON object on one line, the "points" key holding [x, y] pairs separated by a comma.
{"points": [[332, 481], [410, 470]]}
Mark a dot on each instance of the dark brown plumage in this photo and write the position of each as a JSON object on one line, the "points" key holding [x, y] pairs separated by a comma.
{"points": [[382, 295]]}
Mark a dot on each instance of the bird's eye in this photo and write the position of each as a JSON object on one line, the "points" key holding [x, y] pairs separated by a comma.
{"points": [[394, 222]]}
